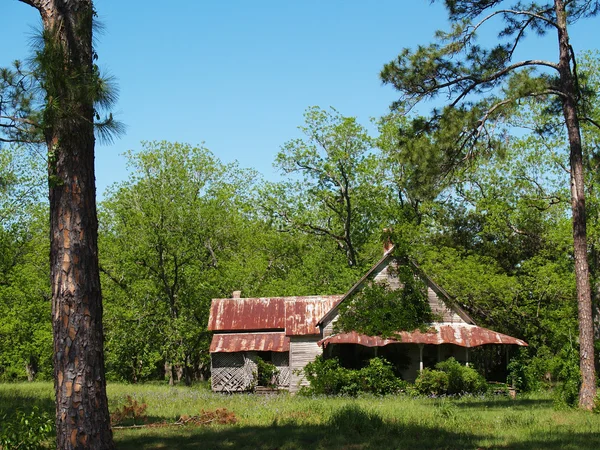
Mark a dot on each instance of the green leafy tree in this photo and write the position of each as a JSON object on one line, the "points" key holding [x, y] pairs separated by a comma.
{"points": [[483, 83], [26, 328], [168, 231], [333, 189]]}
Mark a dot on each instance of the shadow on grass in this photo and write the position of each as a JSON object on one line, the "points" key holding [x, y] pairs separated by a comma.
{"points": [[505, 402], [10, 401], [295, 437]]}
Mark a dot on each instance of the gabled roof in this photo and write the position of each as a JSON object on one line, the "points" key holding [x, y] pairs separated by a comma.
{"points": [[295, 316], [387, 258]]}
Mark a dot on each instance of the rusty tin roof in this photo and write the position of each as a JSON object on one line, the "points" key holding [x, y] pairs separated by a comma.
{"points": [[227, 314], [296, 316], [303, 314], [258, 342], [462, 334]]}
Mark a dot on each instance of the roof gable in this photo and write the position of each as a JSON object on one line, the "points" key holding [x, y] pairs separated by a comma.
{"points": [[439, 300]]}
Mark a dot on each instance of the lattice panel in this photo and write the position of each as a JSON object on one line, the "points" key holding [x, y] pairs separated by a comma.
{"points": [[229, 372], [282, 362], [234, 372]]}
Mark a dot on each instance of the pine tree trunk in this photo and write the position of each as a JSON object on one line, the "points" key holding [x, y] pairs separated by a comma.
{"points": [[587, 392], [82, 417]]}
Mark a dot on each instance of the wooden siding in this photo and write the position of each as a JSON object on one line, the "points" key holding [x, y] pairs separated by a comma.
{"points": [[302, 351], [439, 308], [328, 328]]}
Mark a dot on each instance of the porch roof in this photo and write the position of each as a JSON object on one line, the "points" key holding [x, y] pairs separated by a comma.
{"points": [[258, 342], [462, 334]]}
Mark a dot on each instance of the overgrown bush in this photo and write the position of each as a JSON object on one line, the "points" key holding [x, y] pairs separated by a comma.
{"points": [[569, 379], [462, 379], [451, 378], [327, 377], [25, 431], [432, 382], [265, 373], [531, 373], [378, 310]]}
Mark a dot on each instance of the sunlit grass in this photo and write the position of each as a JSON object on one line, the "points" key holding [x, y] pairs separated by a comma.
{"points": [[287, 422]]}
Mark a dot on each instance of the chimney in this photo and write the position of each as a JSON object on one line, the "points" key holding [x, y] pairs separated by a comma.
{"points": [[236, 294], [387, 240]]}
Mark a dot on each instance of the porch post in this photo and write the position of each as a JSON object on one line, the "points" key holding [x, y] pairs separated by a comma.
{"points": [[439, 349], [375, 351], [467, 356], [421, 357]]}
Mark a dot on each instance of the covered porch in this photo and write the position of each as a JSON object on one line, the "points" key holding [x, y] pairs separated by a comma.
{"points": [[411, 352]]}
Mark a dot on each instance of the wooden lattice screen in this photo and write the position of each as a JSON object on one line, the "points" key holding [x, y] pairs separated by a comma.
{"points": [[282, 362], [231, 372], [234, 372]]}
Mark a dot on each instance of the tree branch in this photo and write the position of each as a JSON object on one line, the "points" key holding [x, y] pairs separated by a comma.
{"points": [[519, 13]]}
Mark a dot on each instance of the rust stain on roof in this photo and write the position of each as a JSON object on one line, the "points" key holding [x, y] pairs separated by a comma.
{"points": [[228, 314], [303, 313], [258, 342], [461, 334], [296, 316]]}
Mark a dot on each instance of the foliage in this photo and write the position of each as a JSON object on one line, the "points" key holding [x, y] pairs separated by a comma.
{"points": [[451, 378], [569, 379], [432, 382], [333, 187], [462, 379], [25, 430], [378, 310], [484, 87], [265, 373], [25, 329], [327, 377], [168, 232]]}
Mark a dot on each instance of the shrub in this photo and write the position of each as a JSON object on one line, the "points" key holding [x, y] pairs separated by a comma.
{"points": [[451, 378], [327, 377], [265, 373], [432, 382], [462, 379], [25, 431], [569, 377], [379, 378]]}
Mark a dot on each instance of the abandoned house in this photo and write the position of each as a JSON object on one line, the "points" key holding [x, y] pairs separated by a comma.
{"points": [[290, 332]]}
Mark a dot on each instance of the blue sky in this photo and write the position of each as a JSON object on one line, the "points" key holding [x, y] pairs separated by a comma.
{"points": [[238, 75]]}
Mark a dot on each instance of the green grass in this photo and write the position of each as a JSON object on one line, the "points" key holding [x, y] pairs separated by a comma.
{"points": [[283, 422]]}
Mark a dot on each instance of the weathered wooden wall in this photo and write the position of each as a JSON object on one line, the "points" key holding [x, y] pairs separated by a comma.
{"points": [[302, 351]]}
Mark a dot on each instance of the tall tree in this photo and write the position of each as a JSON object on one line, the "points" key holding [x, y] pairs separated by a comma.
{"points": [[483, 83], [71, 84], [331, 190]]}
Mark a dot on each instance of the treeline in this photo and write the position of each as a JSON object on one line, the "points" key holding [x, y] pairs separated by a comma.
{"points": [[495, 231]]}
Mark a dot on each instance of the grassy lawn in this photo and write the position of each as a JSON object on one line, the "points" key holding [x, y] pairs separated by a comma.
{"points": [[283, 422]]}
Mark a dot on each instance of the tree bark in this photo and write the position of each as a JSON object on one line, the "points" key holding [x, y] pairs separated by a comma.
{"points": [[587, 393], [82, 417]]}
